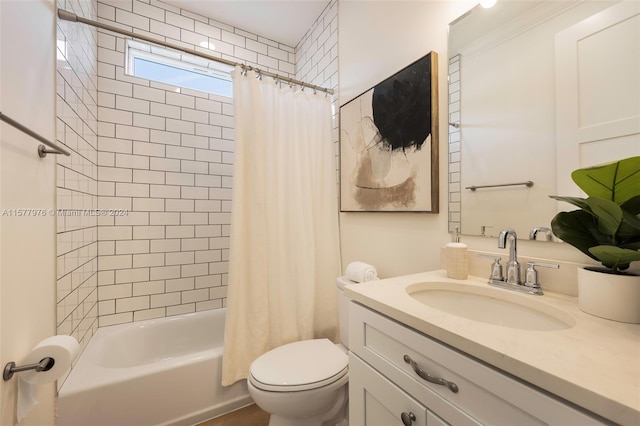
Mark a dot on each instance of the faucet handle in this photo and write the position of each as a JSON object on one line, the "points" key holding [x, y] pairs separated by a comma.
{"points": [[490, 256], [496, 267], [532, 264], [531, 275]]}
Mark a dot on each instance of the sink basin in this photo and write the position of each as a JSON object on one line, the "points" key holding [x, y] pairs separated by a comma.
{"points": [[491, 306]]}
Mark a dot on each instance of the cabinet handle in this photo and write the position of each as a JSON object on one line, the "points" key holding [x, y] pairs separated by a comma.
{"points": [[407, 418], [428, 377]]}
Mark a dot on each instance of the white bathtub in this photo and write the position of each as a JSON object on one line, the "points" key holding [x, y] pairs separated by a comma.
{"points": [[158, 372]]}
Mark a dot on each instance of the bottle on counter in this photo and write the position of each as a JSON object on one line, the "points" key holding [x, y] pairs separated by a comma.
{"points": [[456, 257]]}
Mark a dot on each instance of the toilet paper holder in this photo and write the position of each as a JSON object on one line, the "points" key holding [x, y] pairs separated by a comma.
{"points": [[10, 369]]}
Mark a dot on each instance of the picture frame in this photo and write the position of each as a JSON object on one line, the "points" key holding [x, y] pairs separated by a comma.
{"points": [[389, 143]]}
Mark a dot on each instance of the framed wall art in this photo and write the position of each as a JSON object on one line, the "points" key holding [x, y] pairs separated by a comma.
{"points": [[389, 143]]}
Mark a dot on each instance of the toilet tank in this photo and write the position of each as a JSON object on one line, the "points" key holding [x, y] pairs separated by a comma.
{"points": [[343, 303]]}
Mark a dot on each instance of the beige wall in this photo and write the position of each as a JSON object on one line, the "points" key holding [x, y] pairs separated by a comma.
{"points": [[27, 243], [376, 39]]}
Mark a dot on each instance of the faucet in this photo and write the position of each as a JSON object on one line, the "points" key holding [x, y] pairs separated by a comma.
{"points": [[512, 281], [548, 233], [513, 267]]}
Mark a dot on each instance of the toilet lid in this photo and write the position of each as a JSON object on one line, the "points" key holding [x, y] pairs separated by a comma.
{"points": [[307, 364]]}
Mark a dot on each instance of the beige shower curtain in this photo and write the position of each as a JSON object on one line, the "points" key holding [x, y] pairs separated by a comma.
{"points": [[284, 255]]}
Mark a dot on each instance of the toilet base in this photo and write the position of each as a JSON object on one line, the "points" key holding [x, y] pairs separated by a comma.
{"points": [[338, 415]]}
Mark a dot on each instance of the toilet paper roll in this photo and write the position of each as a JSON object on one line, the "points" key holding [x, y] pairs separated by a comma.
{"points": [[27, 399], [63, 349]]}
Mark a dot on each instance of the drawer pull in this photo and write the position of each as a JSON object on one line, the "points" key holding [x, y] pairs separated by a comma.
{"points": [[407, 418], [428, 377]]}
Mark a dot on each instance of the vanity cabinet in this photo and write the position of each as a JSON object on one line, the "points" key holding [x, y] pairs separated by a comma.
{"points": [[400, 376]]}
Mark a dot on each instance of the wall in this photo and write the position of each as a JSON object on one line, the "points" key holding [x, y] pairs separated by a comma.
{"points": [[317, 61], [377, 39], [317, 52], [454, 188], [165, 157], [77, 186], [27, 243]]}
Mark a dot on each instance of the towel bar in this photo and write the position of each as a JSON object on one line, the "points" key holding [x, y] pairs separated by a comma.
{"points": [[42, 149], [528, 184]]}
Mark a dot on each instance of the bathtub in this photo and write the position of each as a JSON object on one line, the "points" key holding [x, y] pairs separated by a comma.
{"points": [[157, 372]]}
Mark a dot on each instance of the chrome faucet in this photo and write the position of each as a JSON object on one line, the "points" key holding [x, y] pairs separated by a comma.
{"points": [[512, 281], [513, 267], [548, 233]]}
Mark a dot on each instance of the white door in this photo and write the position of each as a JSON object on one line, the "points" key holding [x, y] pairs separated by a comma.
{"points": [[27, 240], [598, 91]]}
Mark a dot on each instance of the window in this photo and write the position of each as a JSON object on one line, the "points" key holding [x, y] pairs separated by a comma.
{"points": [[178, 69]]}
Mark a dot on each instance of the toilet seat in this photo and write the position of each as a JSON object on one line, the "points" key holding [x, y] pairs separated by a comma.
{"points": [[299, 366]]}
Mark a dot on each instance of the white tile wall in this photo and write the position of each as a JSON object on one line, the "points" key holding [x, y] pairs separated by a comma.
{"points": [[317, 52], [454, 144], [166, 156], [317, 62], [77, 188]]}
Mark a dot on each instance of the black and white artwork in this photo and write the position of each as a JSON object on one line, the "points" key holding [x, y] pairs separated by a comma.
{"points": [[389, 143]]}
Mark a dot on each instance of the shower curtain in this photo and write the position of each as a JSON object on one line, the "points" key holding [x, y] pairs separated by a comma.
{"points": [[284, 256]]}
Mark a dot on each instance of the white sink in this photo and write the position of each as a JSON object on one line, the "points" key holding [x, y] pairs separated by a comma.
{"points": [[491, 306]]}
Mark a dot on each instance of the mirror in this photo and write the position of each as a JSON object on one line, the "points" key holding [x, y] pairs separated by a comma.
{"points": [[507, 88]]}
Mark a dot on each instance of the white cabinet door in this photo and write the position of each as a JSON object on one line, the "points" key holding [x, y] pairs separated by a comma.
{"points": [[598, 91], [375, 401]]}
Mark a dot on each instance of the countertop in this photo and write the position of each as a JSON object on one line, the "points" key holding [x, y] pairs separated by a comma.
{"points": [[595, 364]]}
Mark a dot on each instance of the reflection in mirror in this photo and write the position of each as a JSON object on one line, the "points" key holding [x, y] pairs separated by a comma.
{"points": [[516, 99]]}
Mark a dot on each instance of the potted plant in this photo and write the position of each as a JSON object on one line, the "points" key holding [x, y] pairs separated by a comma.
{"points": [[606, 227]]}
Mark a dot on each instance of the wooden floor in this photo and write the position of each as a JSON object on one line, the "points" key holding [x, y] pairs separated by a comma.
{"points": [[247, 416]]}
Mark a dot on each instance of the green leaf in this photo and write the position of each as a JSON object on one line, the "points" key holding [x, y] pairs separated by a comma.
{"points": [[579, 229], [615, 257], [632, 205], [576, 201], [609, 215], [633, 246], [630, 226], [618, 181]]}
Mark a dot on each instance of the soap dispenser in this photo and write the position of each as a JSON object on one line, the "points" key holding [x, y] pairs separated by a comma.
{"points": [[456, 257]]}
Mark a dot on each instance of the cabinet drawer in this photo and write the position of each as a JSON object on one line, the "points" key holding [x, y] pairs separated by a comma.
{"points": [[485, 394], [376, 401]]}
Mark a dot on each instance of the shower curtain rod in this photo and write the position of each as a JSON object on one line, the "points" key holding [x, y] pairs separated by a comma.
{"points": [[68, 16]]}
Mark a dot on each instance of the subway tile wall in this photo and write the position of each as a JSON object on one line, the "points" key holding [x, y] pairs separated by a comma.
{"points": [[454, 144], [166, 159], [317, 62], [159, 154], [317, 52], [77, 186]]}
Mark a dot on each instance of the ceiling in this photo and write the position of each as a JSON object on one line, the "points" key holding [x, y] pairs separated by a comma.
{"points": [[284, 21]]}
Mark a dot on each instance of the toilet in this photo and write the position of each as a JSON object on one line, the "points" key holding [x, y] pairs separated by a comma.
{"points": [[306, 382]]}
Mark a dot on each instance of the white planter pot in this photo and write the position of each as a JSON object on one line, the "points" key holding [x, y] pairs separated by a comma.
{"points": [[614, 297]]}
